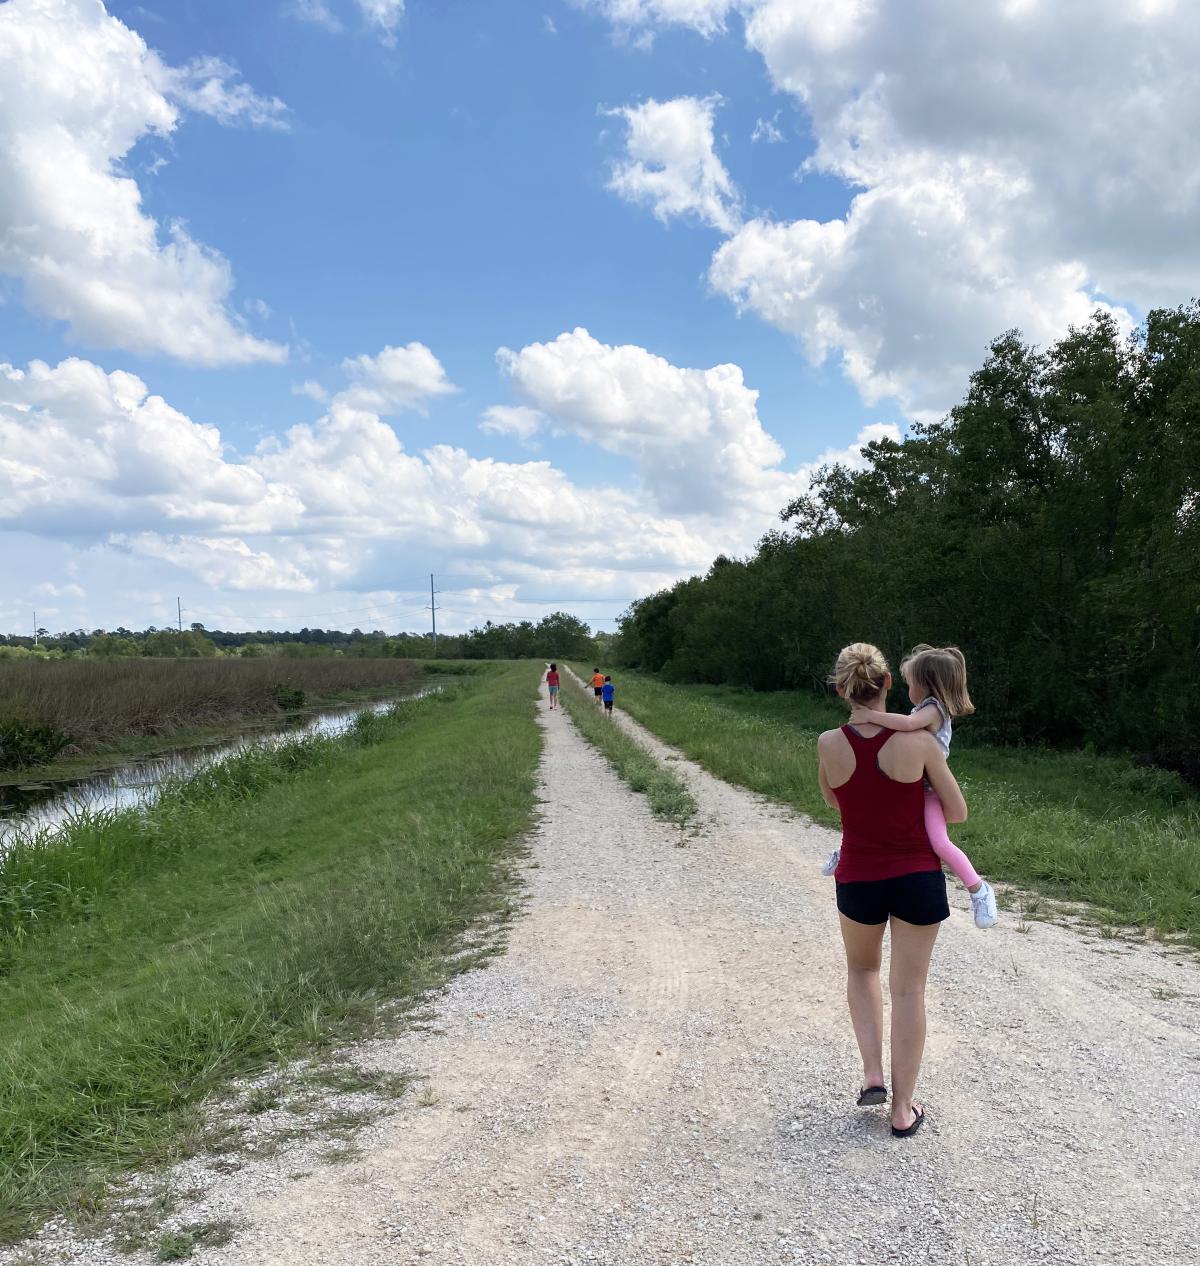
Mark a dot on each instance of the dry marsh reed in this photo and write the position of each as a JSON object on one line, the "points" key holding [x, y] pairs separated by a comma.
{"points": [[97, 703]]}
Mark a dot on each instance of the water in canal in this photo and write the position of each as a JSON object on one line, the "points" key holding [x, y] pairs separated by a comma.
{"points": [[32, 807]]}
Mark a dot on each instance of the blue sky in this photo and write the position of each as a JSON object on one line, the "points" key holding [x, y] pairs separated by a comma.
{"points": [[457, 177], [451, 189]]}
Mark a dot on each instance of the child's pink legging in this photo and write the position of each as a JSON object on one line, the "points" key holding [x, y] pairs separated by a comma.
{"points": [[943, 846]]}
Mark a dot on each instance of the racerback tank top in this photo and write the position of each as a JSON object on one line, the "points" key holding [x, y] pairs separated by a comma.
{"points": [[883, 821]]}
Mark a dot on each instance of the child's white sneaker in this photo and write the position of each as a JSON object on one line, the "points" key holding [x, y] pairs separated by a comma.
{"points": [[983, 904], [831, 862]]}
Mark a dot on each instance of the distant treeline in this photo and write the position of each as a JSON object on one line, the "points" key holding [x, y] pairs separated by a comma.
{"points": [[1050, 526], [559, 634]]}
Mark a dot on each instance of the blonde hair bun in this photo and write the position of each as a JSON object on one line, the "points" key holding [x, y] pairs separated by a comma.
{"points": [[860, 672]]}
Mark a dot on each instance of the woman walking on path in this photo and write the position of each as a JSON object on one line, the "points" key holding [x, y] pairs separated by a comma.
{"points": [[887, 874]]}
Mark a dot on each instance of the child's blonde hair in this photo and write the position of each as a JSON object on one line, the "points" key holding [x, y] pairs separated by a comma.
{"points": [[860, 672], [941, 671]]}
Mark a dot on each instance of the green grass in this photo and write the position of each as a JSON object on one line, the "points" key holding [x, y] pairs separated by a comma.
{"points": [[666, 792], [263, 907], [1072, 825]]}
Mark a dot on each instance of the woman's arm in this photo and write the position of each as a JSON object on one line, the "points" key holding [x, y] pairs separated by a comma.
{"points": [[944, 784], [823, 778], [904, 722]]}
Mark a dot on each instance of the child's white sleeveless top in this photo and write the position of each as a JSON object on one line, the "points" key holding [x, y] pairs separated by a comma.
{"points": [[942, 733]]}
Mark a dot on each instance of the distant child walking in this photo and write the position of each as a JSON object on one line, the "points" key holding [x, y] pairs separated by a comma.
{"points": [[598, 680], [552, 683], [606, 693], [936, 677]]}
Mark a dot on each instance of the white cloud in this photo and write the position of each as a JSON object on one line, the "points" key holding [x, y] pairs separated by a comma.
{"points": [[518, 421], [83, 451], [312, 389], [671, 163], [315, 11], [694, 434], [633, 16], [210, 86], [398, 378], [49, 589], [384, 15], [91, 458], [78, 89], [767, 130], [223, 562], [1029, 160]]}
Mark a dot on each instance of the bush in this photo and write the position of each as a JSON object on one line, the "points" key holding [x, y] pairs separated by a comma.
{"points": [[25, 743], [289, 697]]}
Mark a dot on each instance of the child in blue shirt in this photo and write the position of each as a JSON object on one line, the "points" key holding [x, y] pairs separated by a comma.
{"points": [[606, 693]]}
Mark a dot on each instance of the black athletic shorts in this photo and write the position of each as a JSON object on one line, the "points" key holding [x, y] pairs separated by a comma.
{"points": [[597, 691], [608, 705], [918, 898]]}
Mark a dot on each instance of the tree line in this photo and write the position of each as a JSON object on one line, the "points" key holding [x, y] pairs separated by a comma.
{"points": [[558, 634], [1049, 525]]}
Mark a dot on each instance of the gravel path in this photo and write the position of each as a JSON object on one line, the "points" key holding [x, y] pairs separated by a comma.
{"points": [[660, 1069]]}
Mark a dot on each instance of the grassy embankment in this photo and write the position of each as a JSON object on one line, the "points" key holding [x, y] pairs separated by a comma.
{"points": [[269, 904], [666, 792], [1069, 825], [94, 708]]}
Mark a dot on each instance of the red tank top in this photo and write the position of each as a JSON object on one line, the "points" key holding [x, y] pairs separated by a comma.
{"points": [[883, 821]]}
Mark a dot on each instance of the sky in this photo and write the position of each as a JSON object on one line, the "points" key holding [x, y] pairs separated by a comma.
{"points": [[304, 300]]}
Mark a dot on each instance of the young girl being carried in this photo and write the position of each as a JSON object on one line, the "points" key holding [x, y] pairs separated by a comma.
{"points": [[937, 686]]}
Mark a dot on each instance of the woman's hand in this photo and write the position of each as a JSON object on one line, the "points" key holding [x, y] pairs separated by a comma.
{"points": [[944, 783]]}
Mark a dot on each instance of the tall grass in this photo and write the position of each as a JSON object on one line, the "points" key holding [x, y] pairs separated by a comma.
{"points": [[264, 905], [666, 792], [96, 702], [1073, 825]]}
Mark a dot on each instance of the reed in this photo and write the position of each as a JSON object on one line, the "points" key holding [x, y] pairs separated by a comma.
{"points": [[97, 703]]}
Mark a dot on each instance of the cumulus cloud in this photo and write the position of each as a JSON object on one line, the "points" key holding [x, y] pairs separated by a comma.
{"points": [[223, 562], [671, 162], [517, 421], [88, 455], [78, 90], [398, 378], [1033, 162], [82, 450], [694, 434]]}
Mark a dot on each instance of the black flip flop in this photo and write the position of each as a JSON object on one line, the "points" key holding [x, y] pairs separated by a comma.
{"points": [[918, 1121], [871, 1095]]}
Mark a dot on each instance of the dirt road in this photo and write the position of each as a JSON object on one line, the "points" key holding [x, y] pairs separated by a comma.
{"points": [[660, 1070]]}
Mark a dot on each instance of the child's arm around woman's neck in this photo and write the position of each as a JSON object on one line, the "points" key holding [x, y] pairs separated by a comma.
{"points": [[904, 722]]}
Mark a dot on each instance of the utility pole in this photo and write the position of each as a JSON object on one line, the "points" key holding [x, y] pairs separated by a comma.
{"points": [[433, 613], [179, 616], [35, 633]]}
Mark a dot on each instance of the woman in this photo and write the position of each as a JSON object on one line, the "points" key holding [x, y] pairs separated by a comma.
{"points": [[887, 873]]}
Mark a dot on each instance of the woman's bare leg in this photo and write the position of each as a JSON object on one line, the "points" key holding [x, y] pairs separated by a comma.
{"points": [[912, 947], [864, 951]]}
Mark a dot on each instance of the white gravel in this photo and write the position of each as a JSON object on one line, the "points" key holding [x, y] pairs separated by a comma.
{"points": [[660, 1069]]}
